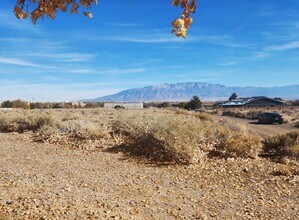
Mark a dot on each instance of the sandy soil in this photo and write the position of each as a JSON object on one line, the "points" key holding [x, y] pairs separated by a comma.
{"points": [[42, 181], [259, 129]]}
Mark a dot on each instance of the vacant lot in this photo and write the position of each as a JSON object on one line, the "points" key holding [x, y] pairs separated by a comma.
{"points": [[89, 164], [259, 129], [290, 114]]}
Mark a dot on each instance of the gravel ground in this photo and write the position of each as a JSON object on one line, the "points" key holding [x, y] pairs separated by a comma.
{"points": [[42, 181]]}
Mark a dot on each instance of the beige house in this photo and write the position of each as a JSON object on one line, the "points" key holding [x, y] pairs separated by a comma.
{"points": [[127, 105]]}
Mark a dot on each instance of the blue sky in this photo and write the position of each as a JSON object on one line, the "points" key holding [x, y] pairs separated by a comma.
{"points": [[127, 44]]}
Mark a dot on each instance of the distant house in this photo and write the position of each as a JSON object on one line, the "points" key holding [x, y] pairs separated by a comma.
{"points": [[78, 104], [127, 105], [260, 101]]}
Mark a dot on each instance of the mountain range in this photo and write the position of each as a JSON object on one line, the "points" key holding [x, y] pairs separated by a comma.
{"points": [[206, 91]]}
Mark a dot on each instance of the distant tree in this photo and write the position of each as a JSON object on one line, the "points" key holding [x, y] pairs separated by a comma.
{"points": [[39, 9], [118, 107], [68, 105], [295, 102], [20, 104], [150, 104], [194, 103], [37, 105], [164, 105], [100, 104], [57, 105], [233, 96], [90, 105], [183, 104], [47, 105], [6, 104]]}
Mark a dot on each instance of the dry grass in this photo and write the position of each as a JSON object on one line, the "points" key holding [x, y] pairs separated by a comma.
{"points": [[157, 135], [160, 137], [182, 138], [67, 127], [283, 145], [291, 116], [252, 114], [201, 115], [18, 122], [233, 141]]}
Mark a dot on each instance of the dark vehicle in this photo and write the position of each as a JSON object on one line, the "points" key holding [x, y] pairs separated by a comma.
{"points": [[270, 118]]}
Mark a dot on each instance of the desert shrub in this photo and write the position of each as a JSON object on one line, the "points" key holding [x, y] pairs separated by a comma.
{"points": [[200, 115], [236, 113], [181, 111], [203, 116], [164, 138], [83, 129], [233, 141], [173, 138], [283, 145], [5, 124], [215, 112], [36, 122], [253, 114], [22, 123]]}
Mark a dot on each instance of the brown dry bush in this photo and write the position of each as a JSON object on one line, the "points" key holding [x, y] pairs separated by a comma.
{"points": [[83, 129], [232, 140], [200, 115], [283, 145], [173, 138], [252, 114], [234, 113], [63, 127], [16, 122], [160, 137]]}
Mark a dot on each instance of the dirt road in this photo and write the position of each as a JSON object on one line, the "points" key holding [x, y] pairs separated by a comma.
{"points": [[42, 181], [259, 129]]}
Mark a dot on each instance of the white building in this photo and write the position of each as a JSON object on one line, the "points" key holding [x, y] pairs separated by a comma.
{"points": [[127, 105]]}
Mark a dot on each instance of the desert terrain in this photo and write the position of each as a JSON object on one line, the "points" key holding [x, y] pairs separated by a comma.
{"points": [[86, 164], [263, 130]]}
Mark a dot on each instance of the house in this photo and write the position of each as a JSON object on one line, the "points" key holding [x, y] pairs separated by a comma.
{"points": [[78, 104], [127, 105], [255, 102]]}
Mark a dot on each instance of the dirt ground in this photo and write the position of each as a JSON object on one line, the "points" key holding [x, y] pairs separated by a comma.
{"points": [[42, 181], [259, 129]]}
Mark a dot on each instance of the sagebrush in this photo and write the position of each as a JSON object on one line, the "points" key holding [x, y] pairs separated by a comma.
{"points": [[283, 145]]}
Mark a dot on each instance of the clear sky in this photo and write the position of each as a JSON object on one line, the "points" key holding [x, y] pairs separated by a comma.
{"points": [[128, 44]]}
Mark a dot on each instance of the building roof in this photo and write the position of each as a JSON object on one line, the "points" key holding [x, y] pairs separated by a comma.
{"points": [[245, 101]]}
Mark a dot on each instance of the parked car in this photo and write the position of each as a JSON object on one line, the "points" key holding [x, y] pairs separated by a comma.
{"points": [[270, 118]]}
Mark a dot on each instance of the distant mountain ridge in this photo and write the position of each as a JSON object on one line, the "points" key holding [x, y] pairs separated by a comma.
{"points": [[206, 91]]}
